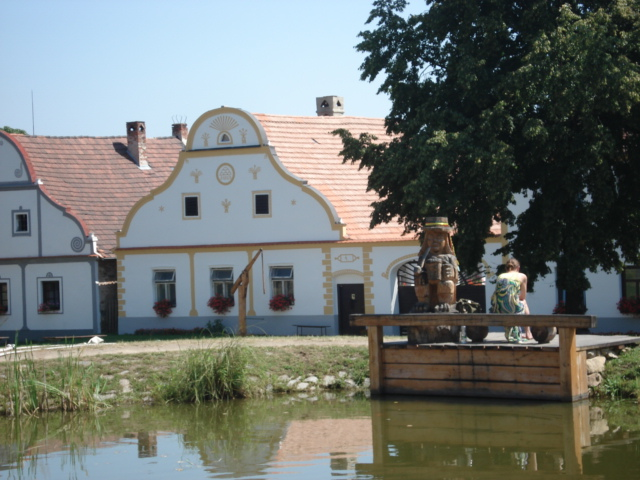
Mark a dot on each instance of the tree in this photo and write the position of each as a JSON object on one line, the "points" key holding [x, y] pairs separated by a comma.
{"points": [[495, 98], [13, 130]]}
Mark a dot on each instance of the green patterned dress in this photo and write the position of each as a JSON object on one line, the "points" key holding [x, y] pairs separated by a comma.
{"points": [[506, 299]]}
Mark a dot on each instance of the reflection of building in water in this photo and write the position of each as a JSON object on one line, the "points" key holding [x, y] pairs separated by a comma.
{"points": [[147, 443], [500, 437], [344, 439]]}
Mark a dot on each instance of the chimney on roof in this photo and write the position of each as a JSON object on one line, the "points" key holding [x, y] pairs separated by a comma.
{"points": [[329, 106], [180, 131], [137, 143]]}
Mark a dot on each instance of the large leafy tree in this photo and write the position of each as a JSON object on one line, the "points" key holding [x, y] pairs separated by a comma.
{"points": [[492, 99]]}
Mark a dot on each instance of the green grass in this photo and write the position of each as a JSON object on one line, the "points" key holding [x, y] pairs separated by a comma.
{"points": [[622, 376]]}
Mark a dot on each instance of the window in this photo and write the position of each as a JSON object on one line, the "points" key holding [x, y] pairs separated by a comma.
{"points": [[631, 282], [262, 204], [4, 297], [221, 281], [282, 281], [21, 223], [49, 295], [191, 205], [165, 286]]}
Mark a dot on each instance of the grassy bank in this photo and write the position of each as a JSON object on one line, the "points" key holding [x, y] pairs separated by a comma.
{"points": [[218, 368]]}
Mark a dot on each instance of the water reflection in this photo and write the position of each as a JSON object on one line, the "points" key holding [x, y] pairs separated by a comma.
{"points": [[348, 437]]}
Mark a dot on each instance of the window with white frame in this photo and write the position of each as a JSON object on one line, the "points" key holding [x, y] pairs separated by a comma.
{"points": [[221, 281], [21, 222], [164, 282], [281, 281], [631, 282], [49, 295], [191, 206], [262, 204], [4, 297]]}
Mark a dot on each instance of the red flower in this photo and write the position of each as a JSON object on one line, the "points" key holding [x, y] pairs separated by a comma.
{"points": [[220, 304], [163, 308], [280, 303], [629, 305], [3, 309], [48, 307], [560, 308]]}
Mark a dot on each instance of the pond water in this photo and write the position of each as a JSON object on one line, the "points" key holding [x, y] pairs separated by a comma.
{"points": [[329, 437]]}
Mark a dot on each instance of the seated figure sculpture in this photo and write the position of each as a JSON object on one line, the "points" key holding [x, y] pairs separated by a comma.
{"points": [[435, 278]]}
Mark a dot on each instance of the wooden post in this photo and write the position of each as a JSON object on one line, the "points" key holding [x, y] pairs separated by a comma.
{"points": [[376, 360], [242, 283], [242, 304], [569, 372]]}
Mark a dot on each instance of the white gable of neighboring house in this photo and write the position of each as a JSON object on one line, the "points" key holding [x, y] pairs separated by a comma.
{"points": [[242, 192]]}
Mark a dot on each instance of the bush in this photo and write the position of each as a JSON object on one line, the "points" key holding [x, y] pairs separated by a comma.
{"points": [[207, 374]]}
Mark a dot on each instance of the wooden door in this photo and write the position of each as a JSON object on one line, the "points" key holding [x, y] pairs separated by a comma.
{"points": [[350, 301]]}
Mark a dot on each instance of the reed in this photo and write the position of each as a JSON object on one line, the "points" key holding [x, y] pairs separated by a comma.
{"points": [[64, 384], [207, 374]]}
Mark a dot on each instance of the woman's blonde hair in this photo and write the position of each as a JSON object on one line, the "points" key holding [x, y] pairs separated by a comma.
{"points": [[512, 264]]}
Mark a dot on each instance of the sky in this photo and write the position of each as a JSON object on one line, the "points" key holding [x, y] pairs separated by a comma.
{"points": [[86, 68]]}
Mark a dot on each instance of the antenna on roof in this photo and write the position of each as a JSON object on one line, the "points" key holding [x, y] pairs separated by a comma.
{"points": [[33, 116], [176, 119]]}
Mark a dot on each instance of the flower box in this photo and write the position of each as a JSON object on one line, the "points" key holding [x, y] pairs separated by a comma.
{"points": [[280, 303], [220, 304], [629, 306], [163, 308]]}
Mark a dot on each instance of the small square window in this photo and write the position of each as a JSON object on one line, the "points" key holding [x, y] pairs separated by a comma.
{"points": [[21, 223], [262, 204], [191, 206]]}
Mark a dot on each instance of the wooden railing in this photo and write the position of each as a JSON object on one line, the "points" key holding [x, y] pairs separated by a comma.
{"points": [[421, 370]]}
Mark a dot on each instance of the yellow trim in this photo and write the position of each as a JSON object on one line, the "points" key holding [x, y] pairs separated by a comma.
{"points": [[205, 117], [396, 262], [192, 279]]}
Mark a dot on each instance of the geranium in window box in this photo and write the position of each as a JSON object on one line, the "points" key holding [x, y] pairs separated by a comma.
{"points": [[280, 303], [560, 308], [629, 306], [163, 308], [4, 309], [220, 304], [48, 307]]}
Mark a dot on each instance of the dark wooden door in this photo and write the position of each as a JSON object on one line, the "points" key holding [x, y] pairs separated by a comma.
{"points": [[350, 301]]}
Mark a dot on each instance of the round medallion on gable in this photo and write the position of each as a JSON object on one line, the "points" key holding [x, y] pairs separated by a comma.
{"points": [[77, 244], [225, 174]]}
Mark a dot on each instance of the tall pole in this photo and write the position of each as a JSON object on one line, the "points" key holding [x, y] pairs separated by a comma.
{"points": [[242, 283]]}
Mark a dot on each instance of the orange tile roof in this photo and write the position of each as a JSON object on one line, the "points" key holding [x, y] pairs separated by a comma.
{"points": [[95, 178], [307, 148]]}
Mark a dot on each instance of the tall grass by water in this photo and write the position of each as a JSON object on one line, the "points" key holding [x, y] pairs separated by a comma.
{"points": [[65, 384], [208, 374]]}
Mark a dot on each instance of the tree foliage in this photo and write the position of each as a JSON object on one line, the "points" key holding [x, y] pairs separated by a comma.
{"points": [[493, 99], [13, 130]]}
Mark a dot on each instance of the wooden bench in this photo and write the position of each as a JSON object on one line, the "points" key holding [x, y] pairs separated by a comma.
{"points": [[300, 328], [71, 338], [502, 370]]}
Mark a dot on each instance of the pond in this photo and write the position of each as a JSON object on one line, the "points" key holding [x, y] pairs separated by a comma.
{"points": [[329, 436]]}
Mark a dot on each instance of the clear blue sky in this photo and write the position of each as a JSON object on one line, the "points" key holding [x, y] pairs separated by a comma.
{"points": [[94, 65]]}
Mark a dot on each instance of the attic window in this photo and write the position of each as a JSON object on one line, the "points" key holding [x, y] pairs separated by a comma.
{"points": [[191, 205], [261, 204], [224, 138], [21, 224]]}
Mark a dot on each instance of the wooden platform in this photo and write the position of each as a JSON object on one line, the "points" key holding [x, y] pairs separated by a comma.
{"points": [[493, 368]]}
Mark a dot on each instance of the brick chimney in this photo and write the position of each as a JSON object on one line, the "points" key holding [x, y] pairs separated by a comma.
{"points": [[180, 131], [137, 143], [329, 106]]}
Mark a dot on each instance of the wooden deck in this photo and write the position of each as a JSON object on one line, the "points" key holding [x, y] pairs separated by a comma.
{"points": [[492, 368]]}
